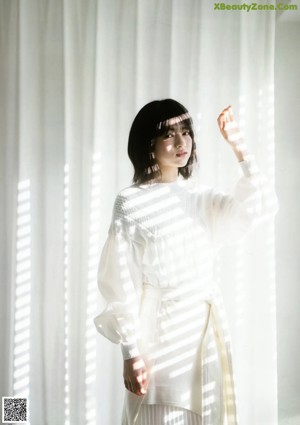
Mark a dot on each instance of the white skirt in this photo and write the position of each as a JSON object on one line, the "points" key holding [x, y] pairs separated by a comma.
{"points": [[155, 414], [186, 348]]}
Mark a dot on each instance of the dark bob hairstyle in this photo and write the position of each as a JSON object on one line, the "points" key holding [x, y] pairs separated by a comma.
{"points": [[150, 123]]}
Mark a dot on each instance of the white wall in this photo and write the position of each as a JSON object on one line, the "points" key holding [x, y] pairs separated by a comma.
{"points": [[287, 127]]}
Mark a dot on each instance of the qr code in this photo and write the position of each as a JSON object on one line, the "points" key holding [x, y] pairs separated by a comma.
{"points": [[14, 409]]}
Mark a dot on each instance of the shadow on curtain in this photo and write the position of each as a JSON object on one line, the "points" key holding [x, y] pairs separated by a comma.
{"points": [[73, 75]]}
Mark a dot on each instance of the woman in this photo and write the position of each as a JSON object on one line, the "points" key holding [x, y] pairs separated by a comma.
{"points": [[156, 272]]}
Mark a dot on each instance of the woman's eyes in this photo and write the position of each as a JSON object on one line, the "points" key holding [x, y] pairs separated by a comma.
{"points": [[171, 134]]}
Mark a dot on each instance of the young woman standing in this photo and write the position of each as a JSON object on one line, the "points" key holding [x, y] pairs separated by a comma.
{"points": [[156, 272]]}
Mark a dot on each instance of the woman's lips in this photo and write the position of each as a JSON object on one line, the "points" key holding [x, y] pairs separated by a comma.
{"points": [[180, 154]]}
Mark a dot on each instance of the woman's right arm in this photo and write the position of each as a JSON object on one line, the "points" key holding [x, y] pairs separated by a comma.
{"points": [[119, 281]]}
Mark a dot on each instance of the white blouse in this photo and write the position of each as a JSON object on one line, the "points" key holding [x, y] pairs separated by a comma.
{"points": [[156, 275]]}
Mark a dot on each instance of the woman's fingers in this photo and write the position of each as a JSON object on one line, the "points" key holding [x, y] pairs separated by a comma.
{"points": [[139, 384], [228, 126], [225, 116], [135, 387], [128, 385], [230, 111], [131, 386], [135, 376], [142, 381]]}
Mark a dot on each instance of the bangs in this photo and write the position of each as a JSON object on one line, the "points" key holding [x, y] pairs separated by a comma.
{"points": [[152, 121], [184, 120]]}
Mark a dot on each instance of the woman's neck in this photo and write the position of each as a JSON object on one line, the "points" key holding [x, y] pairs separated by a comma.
{"points": [[168, 175]]}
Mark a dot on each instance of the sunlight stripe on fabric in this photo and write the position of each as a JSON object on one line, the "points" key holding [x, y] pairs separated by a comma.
{"points": [[166, 415]]}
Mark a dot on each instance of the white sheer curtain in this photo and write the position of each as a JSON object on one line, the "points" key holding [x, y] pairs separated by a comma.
{"points": [[73, 74]]}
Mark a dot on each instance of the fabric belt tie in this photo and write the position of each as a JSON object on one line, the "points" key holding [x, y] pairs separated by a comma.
{"points": [[155, 296]]}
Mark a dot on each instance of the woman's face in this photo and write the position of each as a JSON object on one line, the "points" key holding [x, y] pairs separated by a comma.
{"points": [[173, 149]]}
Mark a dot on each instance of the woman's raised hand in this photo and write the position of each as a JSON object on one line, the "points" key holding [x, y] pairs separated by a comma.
{"points": [[135, 375], [231, 133]]}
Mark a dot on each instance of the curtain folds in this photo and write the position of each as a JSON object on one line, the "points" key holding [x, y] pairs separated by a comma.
{"points": [[73, 74]]}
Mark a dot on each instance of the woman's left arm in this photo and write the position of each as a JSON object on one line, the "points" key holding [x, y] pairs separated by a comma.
{"points": [[231, 133], [232, 216]]}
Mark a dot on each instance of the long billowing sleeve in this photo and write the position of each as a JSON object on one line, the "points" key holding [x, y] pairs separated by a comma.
{"points": [[119, 282], [230, 217]]}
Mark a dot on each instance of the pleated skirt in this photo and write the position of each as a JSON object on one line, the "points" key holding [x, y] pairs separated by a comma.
{"points": [[155, 414]]}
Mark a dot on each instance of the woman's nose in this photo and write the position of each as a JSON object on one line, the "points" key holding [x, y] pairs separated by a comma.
{"points": [[179, 139]]}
